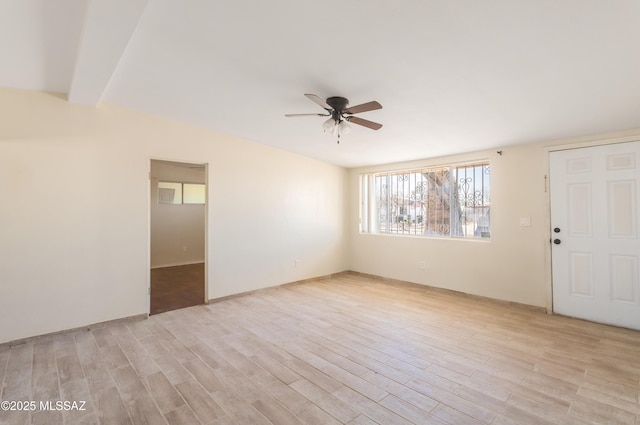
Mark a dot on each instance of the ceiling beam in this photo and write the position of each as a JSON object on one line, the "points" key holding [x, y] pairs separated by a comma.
{"points": [[108, 27]]}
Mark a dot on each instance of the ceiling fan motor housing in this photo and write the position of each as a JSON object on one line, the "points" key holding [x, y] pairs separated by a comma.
{"points": [[338, 103]]}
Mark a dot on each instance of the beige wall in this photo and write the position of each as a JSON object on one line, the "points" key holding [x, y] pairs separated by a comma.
{"points": [[513, 265], [74, 239], [75, 226], [177, 231]]}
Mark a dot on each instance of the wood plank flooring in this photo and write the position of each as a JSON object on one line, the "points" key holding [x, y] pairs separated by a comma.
{"points": [[176, 287], [343, 350]]}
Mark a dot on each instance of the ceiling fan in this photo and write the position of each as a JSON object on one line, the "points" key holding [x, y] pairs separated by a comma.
{"points": [[340, 115]]}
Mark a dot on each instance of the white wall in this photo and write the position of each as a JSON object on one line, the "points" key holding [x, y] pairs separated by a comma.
{"points": [[513, 265], [74, 233], [177, 231]]}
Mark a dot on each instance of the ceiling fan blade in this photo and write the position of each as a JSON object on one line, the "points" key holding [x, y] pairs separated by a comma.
{"points": [[366, 123], [306, 115], [369, 106], [319, 101]]}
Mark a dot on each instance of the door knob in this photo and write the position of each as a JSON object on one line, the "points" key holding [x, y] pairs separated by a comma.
{"points": [[557, 241], [557, 230]]}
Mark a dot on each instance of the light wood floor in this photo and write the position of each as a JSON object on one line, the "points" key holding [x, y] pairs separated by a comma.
{"points": [[349, 349]]}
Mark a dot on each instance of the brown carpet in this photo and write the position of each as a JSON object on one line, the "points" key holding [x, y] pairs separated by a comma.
{"points": [[176, 287]]}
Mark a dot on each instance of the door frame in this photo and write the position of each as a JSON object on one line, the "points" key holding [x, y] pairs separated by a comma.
{"points": [[577, 144], [206, 226]]}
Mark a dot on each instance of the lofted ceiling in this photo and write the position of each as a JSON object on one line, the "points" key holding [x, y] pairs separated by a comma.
{"points": [[452, 76]]}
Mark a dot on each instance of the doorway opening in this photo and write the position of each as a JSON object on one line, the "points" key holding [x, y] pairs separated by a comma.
{"points": [[178, 210]]}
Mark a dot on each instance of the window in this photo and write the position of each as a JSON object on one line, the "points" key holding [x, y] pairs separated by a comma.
{"points": [[181, 193], [447, 201], [193, 193]]}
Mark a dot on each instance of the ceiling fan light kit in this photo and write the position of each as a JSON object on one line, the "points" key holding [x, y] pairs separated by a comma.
{"points": [[340, 115], [329, 126], [344, 127]]}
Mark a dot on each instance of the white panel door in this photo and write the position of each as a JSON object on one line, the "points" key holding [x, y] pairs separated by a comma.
{"points": [[594, 231]]}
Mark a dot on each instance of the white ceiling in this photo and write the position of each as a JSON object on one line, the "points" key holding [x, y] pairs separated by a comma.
{"points": [[452, 75]]}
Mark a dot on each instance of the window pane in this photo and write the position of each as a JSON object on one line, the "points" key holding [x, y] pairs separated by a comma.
{"points": [[473, 213], [437, 193], [169, 193], [194, 193], [382, 201], [440, 201]]}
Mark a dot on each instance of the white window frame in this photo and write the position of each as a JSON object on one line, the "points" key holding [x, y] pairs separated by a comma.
{"points": [[432, 201]]}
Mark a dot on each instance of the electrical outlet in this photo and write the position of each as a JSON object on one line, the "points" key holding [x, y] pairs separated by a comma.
{"points": [[296, 263], [423, 265]]}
